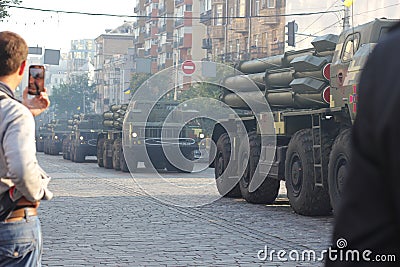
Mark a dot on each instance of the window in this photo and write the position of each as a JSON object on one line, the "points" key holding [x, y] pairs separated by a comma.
{"points": [[218, 15], [350, 47], [271, 3], [240, 8], [231, 15], [257, 8], [189, 8]]}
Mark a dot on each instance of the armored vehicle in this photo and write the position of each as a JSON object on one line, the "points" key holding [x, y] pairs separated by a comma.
{"points": [[58, 131], [143, 138], [43, 133], [82, 140], [313, 99]]}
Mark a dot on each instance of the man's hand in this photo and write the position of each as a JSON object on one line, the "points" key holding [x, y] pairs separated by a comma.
{"points": [[38, 103]]}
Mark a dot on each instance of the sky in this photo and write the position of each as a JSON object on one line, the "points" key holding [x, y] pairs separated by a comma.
{"points": [[364, 11], [53, 30]]}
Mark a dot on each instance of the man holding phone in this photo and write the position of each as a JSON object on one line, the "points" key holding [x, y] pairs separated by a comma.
{"points": [[22, 182]]}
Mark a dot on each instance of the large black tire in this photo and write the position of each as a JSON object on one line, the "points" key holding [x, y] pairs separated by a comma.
{"points": [[99, 152], [116, 147], [64, 148], [338, 166], [304, 196], [221, 162], [107, 161], [122, 161], [267, 192], [46, 147], [39, 145], [80, 154], [72, 153]]}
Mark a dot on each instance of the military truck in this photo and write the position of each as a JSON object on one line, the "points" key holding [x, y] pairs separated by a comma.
{"points": [[143, 138], [109, 149], [58, 131], [42, 134], [82, 140], [148, 139], [312, 94]]}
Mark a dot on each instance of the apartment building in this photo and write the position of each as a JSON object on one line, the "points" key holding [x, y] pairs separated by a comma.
{"points": [[81, 53], [166, 34], [113, 65], [243, 29]]}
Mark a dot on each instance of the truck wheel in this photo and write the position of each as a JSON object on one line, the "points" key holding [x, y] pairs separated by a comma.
{"points": [[122, 161], [79, 155], [72, 153], [99, 152], [267, 192], [221, 162], [304, 197], [338, 166], [68, 151], [116, 147], [107, 161]]}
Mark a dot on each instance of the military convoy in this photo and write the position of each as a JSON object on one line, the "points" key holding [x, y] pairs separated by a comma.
{"points": [[101, 135], [312, 94]]}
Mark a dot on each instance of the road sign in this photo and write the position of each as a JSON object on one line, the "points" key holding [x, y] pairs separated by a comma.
{"points": [[188, 67]]}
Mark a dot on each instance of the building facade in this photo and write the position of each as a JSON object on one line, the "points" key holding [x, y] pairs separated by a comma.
{"points": [[243, 29], [112, 68]]}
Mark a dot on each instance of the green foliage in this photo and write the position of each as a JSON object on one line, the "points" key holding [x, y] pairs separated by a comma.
{"points": [[4, 7], [201, 90], [204, 90], [137, 79], [75, 96]]}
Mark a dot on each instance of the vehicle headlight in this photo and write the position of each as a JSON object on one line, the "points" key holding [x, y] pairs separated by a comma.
{"points": [[202, 135], [134, 135], [81, 138]]}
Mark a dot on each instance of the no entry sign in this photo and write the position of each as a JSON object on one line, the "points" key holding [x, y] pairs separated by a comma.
{"points": [[188, 67]]}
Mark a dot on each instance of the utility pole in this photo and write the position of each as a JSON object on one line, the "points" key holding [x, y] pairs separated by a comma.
{"points": [[346, 18]]}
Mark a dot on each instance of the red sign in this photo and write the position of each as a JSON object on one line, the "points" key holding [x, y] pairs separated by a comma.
{"points": [[188, 67]]}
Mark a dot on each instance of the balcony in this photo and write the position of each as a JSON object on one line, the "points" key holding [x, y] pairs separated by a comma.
{"points": [[146, 35], [178, 43], [162, 28], [217, 32], [179, 22], [205, 17], [206, 43], [179, 2]]}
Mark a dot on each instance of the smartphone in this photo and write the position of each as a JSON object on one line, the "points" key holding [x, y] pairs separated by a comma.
{"points": [[36, 79]]}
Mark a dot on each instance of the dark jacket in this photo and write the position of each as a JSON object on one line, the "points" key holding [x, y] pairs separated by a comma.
{"points": [[369, 217]]}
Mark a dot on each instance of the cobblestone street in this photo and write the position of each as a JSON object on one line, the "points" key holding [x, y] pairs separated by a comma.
{"points": [[100, 217]]}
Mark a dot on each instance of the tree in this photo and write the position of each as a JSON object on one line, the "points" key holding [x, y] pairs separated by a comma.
{"points": [[137, 79], [75, 96], [4, 5]]}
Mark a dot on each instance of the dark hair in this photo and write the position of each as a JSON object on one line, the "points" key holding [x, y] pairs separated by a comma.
{"points": [[13, 51]]}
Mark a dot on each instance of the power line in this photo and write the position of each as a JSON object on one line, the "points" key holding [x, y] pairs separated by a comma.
{"points": [[168, 17]]}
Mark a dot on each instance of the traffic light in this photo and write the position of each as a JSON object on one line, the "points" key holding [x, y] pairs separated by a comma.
{"points": [[291, 33]]}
